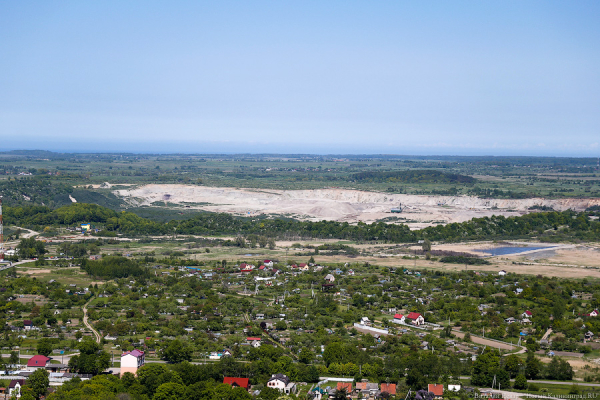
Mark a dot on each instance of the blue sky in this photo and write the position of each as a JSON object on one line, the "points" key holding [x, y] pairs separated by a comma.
{"points": [[399, 77]]}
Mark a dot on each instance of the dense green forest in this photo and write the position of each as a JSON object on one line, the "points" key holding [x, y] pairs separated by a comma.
{"points": [[413, 176], [547, 226]]}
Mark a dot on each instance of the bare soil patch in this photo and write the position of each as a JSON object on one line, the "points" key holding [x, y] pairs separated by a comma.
{"points": [[339, 204]]}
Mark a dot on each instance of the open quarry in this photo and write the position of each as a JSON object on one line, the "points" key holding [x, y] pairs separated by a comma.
{"points": [[339, 204]]}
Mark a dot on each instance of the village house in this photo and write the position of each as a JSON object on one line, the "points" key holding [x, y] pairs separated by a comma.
{"points": [[131, 361], [254, 341], [367, 389], [347, 386], [398, 319], [330, 278], [282, 383], [415, 318], [389, 388], [237, 382], [14, 388], [317, 393], [436, 389], [37, 362], [527, 314]]}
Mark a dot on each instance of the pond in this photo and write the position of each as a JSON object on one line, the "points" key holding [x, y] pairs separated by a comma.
{"points": [[506, 250]]}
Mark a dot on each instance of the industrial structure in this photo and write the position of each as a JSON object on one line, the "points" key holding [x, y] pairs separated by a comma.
{"points": [[397, 209]]}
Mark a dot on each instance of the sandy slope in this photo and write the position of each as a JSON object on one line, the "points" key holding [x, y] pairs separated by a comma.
{"points": [[339, 204]]}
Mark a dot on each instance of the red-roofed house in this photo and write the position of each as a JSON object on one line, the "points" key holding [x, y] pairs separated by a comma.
{"points": [[526, 314], [593, 313], [27, 324], [398, 319], [415, 318], [269, 263], [389, 388], [262, 268], [437, 390], [37, 362], [254, 341], [131, 361], [246, 267], [237, 382], [347, 386]]}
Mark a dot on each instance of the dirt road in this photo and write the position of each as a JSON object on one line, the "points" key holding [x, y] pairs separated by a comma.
{"points": [[88, 325], [486, 342]]}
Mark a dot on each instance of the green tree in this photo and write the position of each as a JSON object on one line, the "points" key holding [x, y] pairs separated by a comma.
{"points": [[169, 391], [91, 359], [14, 358], [340, 394], [151, 376], [44, 347], [559, 369], [281, 326], [520, 382], [532, 366], [513, 365], [486, 367], [176, 351], [38, 382], [306, 355]]}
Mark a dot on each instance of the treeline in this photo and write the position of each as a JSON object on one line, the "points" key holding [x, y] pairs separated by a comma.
{"points": [[412, 176], [549, 226], [111, 267]]}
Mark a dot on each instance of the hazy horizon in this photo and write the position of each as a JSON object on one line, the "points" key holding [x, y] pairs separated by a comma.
{"points": [[459, 78]]}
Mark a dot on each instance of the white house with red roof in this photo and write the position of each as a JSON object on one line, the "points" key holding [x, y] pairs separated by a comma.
{"points": [[131, 361], [415, 318], [246, 267], [527, 314], [254, 341], [398, 319], [594, 313], [268, 263], [37, 362]]}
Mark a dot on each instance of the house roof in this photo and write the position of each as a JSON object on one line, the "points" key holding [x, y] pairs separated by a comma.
{"points": [[398, 316], [136, 353], [27, 322], [261, 267], [241, 382], [280, 377], [38, 361], [389, 388], [345, 385], [528, 313], [413, 315], [252, 338], [437, 390], [14, 382]]}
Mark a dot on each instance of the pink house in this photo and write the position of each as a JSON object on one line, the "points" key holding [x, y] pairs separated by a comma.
{"points": [[131, 361]]}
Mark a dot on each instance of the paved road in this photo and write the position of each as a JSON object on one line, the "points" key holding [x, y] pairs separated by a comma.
{"points": [[64, 358]]}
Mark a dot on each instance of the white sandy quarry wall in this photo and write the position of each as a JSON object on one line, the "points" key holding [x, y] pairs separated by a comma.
{"points": [[340, 204]]}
